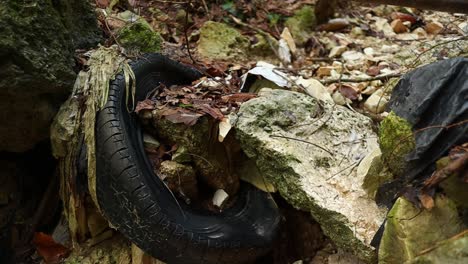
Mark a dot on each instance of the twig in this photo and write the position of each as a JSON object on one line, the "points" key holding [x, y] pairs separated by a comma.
{"points": [[357, 80], [112, 34], [438, 244], [186, 34], [267, 35], [205, 6], [446, 172], [304, 141], [352, 166], [435, 46]]}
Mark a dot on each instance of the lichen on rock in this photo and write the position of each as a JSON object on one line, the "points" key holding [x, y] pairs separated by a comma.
{"points": [[219, 41]]}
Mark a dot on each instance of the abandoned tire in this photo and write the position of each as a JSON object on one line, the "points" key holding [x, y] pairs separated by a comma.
{"points": [[139, 205]]}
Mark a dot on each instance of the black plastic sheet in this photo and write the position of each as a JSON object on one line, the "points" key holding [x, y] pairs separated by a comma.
{"points": [[434, 100]]}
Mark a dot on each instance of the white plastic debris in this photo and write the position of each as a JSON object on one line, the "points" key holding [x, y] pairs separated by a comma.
{"points": [[219, 197], [284, 53], [269, 72]]}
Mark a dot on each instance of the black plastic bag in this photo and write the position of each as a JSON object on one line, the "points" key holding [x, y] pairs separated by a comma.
{"points": [[434, 100]]}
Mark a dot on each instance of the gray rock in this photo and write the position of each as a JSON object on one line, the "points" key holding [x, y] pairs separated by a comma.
{"points": [[219, 41], [36, 64], [310, 152]]}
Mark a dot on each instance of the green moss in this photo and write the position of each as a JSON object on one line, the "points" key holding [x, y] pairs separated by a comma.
{"points": [[302, 24], [222, 42], [396, 141], [410, 230], [139, 36]]}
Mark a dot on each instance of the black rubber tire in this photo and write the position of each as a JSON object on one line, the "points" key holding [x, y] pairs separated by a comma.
{"points": [[138, 204]]}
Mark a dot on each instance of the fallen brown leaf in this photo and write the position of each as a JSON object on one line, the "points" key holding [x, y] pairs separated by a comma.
{"points": [[188, 118], [47, 248], [403, 17], [426, 201], [348, 91], [102, 3], [238, 97], [146, 104], [214, 112]]}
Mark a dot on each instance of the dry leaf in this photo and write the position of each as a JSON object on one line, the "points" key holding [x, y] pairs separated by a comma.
{"points": [[348, 91], [426, 201], [147, 104], [214, 112], [102, 3], [51, 251], [238, 97], [403, 17], [188, 118], [224, 128]]}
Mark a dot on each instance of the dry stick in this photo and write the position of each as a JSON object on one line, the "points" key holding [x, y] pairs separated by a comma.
{"points": [[447, 171], [304, 141], [186, 34], [269, 37], [455, 237], [112, 34], [435, 46], [356, 80], [352, 166], [205, 6]]}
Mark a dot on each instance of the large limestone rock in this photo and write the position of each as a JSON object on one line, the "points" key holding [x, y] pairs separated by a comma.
{"points": [[310, 152], [36, 64]]}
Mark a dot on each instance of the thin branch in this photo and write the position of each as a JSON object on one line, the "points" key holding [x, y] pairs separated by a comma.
{"points": [[435, 46], [267, 35], [304, 141], [187, 44], [357, 80]]}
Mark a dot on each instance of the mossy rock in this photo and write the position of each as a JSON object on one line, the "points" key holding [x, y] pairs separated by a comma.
{"points": [[37, 48], [396, 141], [302, 24], [219, 41], [140, 37], [453, 250], [410, 230]]}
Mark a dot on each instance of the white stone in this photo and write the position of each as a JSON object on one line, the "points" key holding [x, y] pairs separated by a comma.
{"points": [[369, 51], [352, 55], [337, 51], [376, 103], [315, 89]]}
